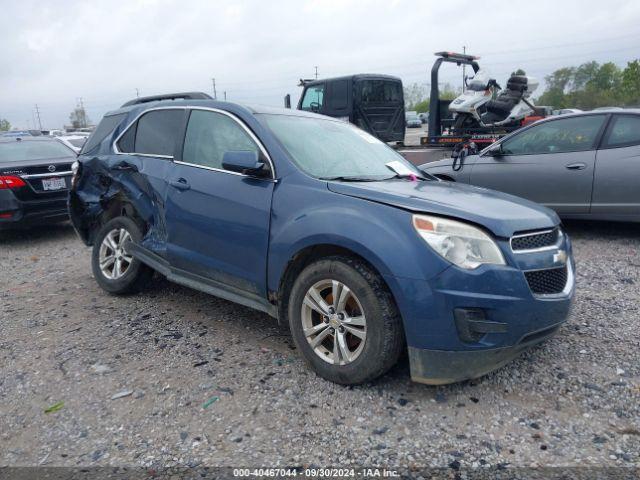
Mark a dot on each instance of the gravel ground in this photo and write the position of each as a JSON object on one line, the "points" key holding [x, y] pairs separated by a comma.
{"points": [[203, 381]]}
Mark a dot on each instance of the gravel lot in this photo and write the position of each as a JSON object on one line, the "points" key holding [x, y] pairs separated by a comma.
{"points": [[207, 382]]}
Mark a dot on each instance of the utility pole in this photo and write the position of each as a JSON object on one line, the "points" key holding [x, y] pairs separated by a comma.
{"points": [[137, 93], [464, 50], [215, 95], [225, 95], [316, 72], [38, 115]]}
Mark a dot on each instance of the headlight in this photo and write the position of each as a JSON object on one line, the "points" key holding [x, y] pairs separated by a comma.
{"points": [[459, 243]]}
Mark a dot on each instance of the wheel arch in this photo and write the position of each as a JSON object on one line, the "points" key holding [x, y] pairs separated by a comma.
{"points": [[306, 256]]}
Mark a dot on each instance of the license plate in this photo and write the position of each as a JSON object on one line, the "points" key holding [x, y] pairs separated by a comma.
{"points": [[53, 183]]}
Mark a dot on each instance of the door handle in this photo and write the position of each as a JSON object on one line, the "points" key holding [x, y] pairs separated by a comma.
{"points": [[576, 166], [180, 184]]}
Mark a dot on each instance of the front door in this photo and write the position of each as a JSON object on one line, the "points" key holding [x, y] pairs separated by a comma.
{"points": [[217, 220], [551, 163], [615, 187]]}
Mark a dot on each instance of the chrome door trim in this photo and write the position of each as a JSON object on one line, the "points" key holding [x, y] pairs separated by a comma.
{"points": [[210, 109]]}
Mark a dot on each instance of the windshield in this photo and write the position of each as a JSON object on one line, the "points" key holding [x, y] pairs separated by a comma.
{"points": [[26, 150], [326, 149]]}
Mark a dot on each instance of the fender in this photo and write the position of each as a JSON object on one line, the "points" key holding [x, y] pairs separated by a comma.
{"points": [[381, 234]]}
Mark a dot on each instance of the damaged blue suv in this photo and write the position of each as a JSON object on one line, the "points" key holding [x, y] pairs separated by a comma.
{"points": [[322, 226]]}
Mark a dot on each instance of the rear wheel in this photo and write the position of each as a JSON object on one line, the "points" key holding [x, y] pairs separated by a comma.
{"points": [[344, 321], [114, 268]]}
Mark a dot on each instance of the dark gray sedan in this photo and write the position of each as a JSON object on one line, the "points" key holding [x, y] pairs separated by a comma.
{"points": [[585, 165]]}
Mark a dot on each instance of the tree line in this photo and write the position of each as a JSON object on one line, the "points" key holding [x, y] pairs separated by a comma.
{"points": [[586, 87]]}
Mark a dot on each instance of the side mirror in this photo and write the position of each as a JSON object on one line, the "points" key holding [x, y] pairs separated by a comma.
{"points": [[494, 150], [245, 162]]}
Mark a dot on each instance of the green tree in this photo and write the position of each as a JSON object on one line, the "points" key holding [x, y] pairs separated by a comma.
{"points": [[414, 94], [4, 125], [630, 83], [592, 85], [422, 106]]}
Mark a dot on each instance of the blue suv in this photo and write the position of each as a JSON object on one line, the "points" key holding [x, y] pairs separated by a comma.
{"points": [[322, 226]]}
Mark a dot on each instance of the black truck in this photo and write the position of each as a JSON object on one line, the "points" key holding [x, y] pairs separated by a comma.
{"points": [[375, 103]]}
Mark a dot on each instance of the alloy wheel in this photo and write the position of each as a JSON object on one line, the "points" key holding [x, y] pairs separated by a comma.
{"points": [[334, 322], [113, 258]]}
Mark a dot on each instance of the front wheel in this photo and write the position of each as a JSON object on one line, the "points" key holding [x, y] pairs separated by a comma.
{"points": [[114, 268], [344, 320]]}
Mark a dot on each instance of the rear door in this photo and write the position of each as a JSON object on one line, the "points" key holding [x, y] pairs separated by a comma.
{"points": [[337, 101], [146, 150], [379, 108], [551, 163], [615, 187], [218, 220]]}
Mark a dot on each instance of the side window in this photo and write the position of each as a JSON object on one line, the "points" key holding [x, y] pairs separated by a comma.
{"points": [[154, 133], [624, 131], [313, 98], [559, 136], [210, 135], [338, 95], [157, 132]]}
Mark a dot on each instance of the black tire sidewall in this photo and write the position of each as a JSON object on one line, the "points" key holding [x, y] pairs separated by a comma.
{"points": [[373, 360], [125, 283]]}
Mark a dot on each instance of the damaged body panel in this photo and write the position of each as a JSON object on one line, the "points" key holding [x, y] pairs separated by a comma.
{"points": [[229, 200]]}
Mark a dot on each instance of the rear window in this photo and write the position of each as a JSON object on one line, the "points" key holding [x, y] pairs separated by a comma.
{"points": [[378, 91], [105, 128], [154, 133], [623, 132], [25, 150]]}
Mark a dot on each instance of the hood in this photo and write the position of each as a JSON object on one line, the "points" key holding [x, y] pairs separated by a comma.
{"points": [[501, 213]]}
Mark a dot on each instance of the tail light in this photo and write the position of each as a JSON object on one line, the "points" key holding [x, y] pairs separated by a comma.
{"points": [[10, 182], [75, 169]]}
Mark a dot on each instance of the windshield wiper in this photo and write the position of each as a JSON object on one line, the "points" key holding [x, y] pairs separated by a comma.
{"points": [[419, 177], [347, 178], [402, 171]]}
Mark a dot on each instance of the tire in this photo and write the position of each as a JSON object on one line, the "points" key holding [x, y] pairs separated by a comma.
{"points": [[134, 275], [360, 360]]}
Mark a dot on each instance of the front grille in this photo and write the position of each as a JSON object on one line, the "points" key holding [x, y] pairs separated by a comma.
{"points": [[547, 282], [532, 241]]}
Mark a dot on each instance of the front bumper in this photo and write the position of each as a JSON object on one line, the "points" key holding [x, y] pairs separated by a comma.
{"points": [[464, 324], [440, 367]]}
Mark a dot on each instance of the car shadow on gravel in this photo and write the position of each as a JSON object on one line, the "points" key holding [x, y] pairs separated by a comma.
{"points": [[43, 233]]}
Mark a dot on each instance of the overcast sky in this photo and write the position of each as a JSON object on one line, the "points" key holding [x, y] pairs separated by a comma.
{"points": [[53, 53]]}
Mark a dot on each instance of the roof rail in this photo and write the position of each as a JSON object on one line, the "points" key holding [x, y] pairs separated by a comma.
{"points": [[169, 96]]}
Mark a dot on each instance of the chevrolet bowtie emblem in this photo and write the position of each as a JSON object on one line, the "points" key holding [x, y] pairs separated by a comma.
{"points": [[560, 257]]}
